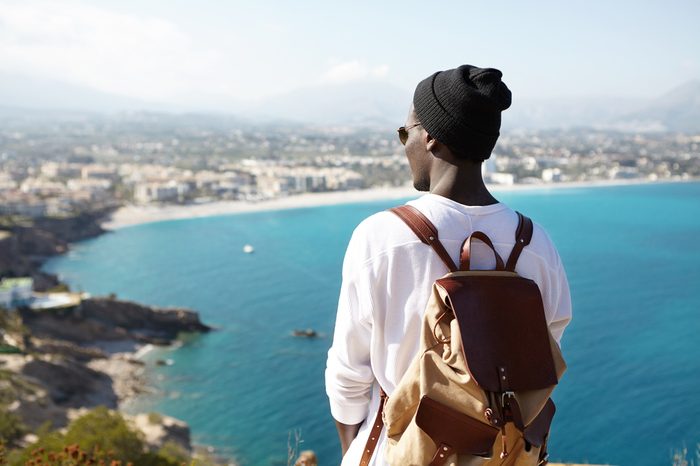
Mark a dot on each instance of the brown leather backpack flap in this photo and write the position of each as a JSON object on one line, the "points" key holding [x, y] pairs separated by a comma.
{"points": [[450, 427], [504, 333], [536, 432]]}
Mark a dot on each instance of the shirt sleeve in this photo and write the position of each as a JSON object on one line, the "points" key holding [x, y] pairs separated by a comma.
{"points": [[561, 304], [349, 374]]}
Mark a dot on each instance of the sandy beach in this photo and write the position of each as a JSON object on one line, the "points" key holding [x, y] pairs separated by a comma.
{"points": [[138, 214]]}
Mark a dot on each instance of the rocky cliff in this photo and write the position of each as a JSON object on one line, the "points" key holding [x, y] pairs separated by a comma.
{"points": [[78, 357], [106, 319], [70, 362], [29, 242]]}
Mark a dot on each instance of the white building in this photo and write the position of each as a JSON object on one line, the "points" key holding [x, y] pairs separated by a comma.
{"points": [[61, 170], [42, 187], [26, 208], [7, 183], [100, 172], [341, 179], [623, 173], [500, 178], [60, 206], [96, 189], [170, 191], [270, 185], [552, 175]]}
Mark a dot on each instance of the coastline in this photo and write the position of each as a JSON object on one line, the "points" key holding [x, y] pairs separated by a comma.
{"points": [[90, 354], [366, 196], [125, 365], [132, 377], [94, 353], [132, 215], [128, 373]]}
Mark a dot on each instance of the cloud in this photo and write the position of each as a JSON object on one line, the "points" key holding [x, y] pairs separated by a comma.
{"points": [[353, 70], [147, 58]]}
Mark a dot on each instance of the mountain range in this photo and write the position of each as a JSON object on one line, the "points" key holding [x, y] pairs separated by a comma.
{"points": [[368, 103]]}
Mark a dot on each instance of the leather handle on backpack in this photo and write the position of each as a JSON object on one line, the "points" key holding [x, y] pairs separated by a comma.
{"points": [[465, 254]]}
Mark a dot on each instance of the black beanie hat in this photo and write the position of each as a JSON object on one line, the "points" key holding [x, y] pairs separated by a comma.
{"points": [[462, 108]]}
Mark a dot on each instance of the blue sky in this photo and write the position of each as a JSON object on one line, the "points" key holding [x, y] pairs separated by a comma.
{"points": [[182, 51]]}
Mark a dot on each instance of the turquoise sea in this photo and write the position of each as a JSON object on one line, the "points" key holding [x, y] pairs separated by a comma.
{"points": [[632, 254]]}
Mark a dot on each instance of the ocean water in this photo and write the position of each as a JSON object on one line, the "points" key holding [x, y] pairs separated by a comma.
{"points": [[632, 254]]}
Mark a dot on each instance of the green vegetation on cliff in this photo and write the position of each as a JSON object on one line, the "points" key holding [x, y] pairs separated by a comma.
{"points": [[99, 435], [11, 427]]}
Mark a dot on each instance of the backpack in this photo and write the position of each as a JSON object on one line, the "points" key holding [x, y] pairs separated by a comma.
{"points": [[478, 391]]}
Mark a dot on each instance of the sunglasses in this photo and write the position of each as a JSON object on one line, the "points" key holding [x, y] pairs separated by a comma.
{"points": [[403, 133]]}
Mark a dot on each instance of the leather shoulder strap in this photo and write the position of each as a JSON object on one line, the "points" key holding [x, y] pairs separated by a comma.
{"points": [[523, 236], [425, 231], [375, 432]]}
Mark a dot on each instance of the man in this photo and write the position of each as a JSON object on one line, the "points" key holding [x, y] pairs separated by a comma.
{"points": [[388, 272]]}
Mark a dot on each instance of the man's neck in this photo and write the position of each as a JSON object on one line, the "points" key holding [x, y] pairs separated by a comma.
{"points": [[463, 185]]}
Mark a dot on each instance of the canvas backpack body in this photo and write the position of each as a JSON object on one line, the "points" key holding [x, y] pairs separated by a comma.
{"points": [[478, 391]]}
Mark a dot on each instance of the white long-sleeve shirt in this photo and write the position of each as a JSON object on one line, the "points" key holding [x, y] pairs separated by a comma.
{"points": [[388, 275]]}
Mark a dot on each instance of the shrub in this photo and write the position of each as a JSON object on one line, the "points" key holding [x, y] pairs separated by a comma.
{"points": [[11, 322], [173, 453], [11, 427], [106, 430], [100, 436], [60, 288], [155, 418]]}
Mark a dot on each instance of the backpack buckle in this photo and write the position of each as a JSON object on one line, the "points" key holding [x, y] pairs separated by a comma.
{"points": [[506, 395], [507, 416]]}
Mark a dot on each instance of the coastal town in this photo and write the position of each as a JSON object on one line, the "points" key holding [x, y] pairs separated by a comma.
{"points": [[76, 165], [63, 179], [57, 169], [200, 263]]}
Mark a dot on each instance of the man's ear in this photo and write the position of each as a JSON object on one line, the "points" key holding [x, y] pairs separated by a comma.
{"points": [[430, 142], [438, 149]]}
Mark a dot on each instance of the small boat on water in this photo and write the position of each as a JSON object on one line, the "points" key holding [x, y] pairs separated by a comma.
{"points": [[248, 249], [307, 333]]}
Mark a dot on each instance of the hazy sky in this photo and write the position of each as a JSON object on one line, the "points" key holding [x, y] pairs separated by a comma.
{"points": [[181, 51]]}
